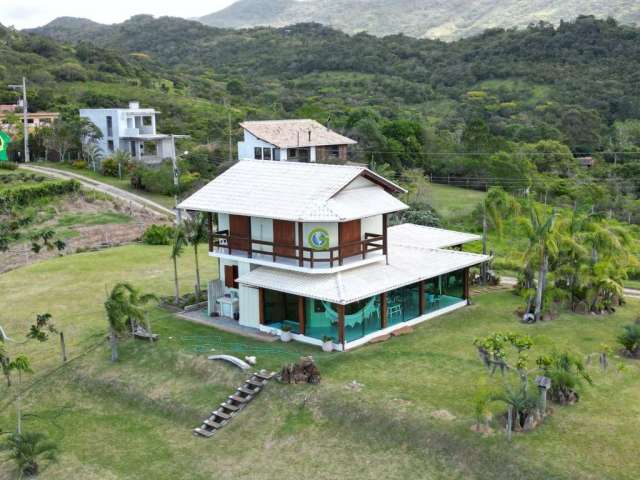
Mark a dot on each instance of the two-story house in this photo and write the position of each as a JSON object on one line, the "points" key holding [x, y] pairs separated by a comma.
{"points": [[131, 130], [309, 246], [292, 140]]}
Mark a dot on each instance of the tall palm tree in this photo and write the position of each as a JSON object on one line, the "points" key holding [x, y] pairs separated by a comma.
{"points": [[124, 305], [195, 230], [28, 449], [22, 365], [497, 206], [177, 247], [540, 227]]}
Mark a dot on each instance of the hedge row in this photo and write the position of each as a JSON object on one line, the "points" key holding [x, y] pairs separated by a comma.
{"points": [[8, 166], [22, 195]]}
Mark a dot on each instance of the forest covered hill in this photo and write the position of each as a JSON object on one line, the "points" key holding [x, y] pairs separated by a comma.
{"points": [[506, 104], [446, 20]]}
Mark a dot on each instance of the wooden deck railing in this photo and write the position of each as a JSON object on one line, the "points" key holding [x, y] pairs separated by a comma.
{"points": [[304, 255]]}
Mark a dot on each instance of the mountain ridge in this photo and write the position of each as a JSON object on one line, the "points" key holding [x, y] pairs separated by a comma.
{"points": [[446, 20]]}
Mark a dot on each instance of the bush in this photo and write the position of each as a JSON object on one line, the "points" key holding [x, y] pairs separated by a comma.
{"points": [[79, 164], [158, 235], [630, 339], [24, 194], [160, 179], [8, 166], [110, 168]]}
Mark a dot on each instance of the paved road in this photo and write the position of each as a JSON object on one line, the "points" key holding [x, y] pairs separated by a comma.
{"points": [[116, 192], [629, 292]]}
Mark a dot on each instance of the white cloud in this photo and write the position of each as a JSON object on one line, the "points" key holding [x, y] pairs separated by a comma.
{"points": [[34, 13]]}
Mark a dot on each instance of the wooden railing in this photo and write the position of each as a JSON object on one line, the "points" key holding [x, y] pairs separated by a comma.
{"points": [[304, 255]]}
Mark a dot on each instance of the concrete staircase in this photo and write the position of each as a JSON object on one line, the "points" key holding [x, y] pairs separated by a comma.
{"points": [[234, 404]]}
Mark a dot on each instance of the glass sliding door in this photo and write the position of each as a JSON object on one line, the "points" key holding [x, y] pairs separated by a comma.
{"points": [[321, 319], [443, 291], [281, 309], [362, 318], [403, 304]]}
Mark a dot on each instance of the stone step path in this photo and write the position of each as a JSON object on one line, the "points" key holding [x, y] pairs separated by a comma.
{"points": [[234, 404]]}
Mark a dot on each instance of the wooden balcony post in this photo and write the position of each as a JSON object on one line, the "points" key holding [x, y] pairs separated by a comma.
{"points": [[385, 226], [250, 252], [384, 312], [301, 319], [341, 325], [300, 245], [210, 222], [261, 305], [466, 284], [421, 293]]}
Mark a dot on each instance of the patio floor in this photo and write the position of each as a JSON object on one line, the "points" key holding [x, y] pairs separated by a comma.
{"points": [[226, 324]]}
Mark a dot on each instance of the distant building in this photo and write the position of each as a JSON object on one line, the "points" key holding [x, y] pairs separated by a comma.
{"points": [[34, 119], [292, 140], [132, 130], [586, 162]]}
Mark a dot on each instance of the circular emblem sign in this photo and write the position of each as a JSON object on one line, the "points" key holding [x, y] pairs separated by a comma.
{"points": [[319, 239]]}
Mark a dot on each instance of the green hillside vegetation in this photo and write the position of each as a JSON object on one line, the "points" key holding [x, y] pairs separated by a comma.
{"points": [[426, 18]]}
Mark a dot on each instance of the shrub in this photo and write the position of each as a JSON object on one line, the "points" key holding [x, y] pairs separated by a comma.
{"points": [[160, 179], [110, 168], [79, 164], [8, 166], [158, 235], [22, 195], [630, 339]]}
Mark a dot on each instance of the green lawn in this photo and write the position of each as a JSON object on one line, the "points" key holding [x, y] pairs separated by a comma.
{"points": [[87, 219], [134, 419], [453, 202], [124, 183]]}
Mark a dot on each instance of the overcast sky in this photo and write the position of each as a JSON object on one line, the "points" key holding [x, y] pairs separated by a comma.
{"points": [[34, 13]]}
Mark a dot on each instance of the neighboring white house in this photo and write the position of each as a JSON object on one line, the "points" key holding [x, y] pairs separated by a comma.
{"points": [[292, 140], [308, 246], [132, 130]]}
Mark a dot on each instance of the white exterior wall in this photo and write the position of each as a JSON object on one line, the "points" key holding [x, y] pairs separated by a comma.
{"points": [[249, 305], [312, 155], [246, 147], [223, 221], [262, 229], [331, 228], [371, 225], [99, 118]]}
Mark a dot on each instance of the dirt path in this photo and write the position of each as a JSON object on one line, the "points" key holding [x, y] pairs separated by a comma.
{"points": [[119, 193]]}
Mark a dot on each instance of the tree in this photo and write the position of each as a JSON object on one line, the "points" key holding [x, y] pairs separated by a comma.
{"points": [[195, 231], [5, 361], [124, 307], [93, 155], [177, 246], [28, 450], [540, 228], [22, 365]]}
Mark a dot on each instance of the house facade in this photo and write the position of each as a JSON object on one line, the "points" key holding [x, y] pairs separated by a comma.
{"points": [[305, 141], [308, 248], [34, 119], [132, 130]]}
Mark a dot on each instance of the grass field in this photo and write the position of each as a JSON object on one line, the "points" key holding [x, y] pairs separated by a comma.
{"points": [[133, 420], [453, 202]]}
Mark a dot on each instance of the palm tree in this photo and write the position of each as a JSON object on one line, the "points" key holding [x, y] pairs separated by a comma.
{"points": [[195, 231], [179, 241], [27, 449], [124, 305], [93, 155], [20, 364], [497, 206], [543, 235]]}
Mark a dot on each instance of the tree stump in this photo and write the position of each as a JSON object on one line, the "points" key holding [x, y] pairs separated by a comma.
{"points": [[303, 371]]}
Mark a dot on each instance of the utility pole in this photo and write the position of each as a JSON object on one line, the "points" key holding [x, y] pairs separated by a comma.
{"points": [[176, 179], [229, 126], [25, 116]]}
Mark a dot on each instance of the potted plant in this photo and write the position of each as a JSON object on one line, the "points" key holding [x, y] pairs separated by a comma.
{"points": [[327, 344], [285, 336]]}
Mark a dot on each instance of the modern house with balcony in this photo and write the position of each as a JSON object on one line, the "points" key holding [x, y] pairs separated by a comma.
{"points": [[132, 130], [308, 248], [304, 141]]}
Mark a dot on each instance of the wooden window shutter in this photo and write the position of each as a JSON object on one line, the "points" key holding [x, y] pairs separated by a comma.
{"points": [[230, 275]]}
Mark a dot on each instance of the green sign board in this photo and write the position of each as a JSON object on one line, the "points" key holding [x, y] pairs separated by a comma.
{"points": [[5, 140]]}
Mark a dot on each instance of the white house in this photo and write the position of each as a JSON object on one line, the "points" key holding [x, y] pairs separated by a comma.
{"points": [[308, 246], [132, 130], [292, 140]]}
